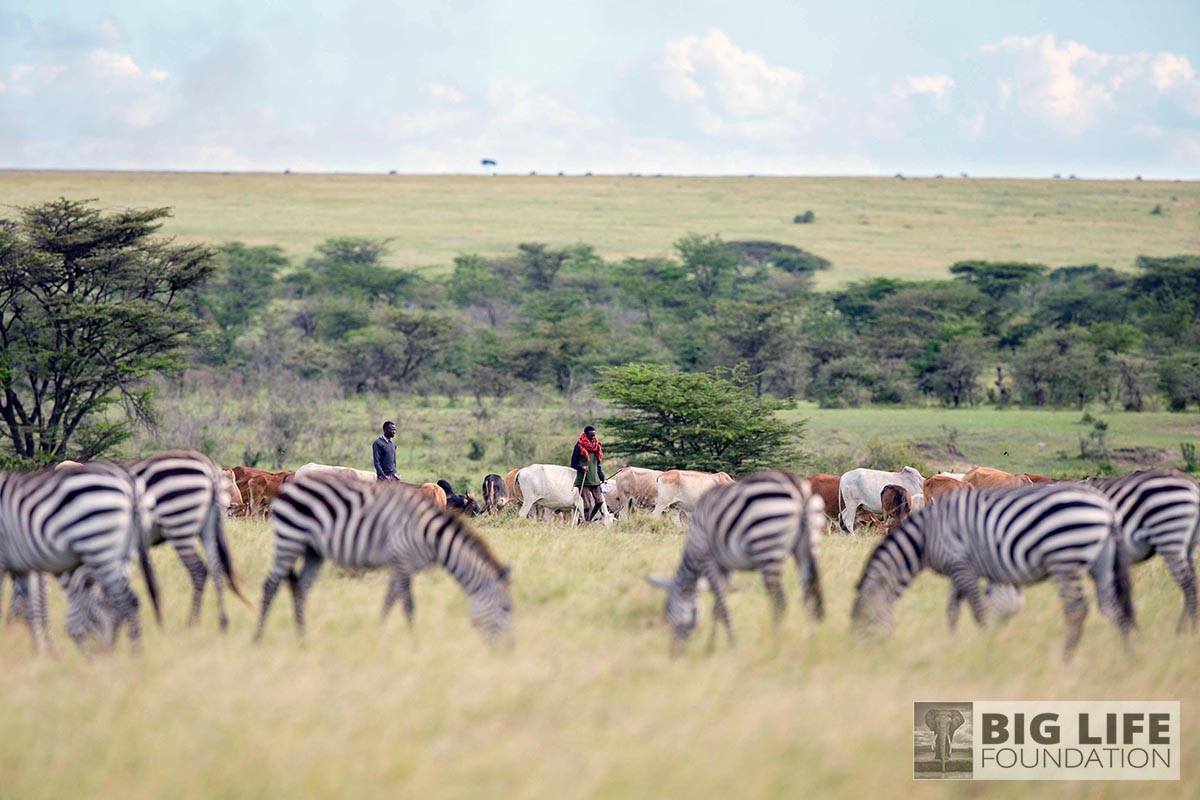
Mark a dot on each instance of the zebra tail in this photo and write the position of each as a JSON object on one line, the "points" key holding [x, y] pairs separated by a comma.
{"points": [[218, 546], [1122, 583], [143, 545]]}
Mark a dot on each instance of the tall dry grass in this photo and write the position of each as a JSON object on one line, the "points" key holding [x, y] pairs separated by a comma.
{"points": [[587, 704]]}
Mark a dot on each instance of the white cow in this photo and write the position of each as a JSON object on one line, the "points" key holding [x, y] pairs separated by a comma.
{"points": [[632, 487], [552, 487], [346, 473], [862, 487], [680, 489]]}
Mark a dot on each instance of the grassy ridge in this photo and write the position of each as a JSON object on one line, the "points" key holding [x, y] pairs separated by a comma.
{"points": [[866, 226], [587, 704]]}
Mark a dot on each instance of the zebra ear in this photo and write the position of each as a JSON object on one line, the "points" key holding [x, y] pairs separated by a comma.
{"points": [[661, 583], [505, 571]]}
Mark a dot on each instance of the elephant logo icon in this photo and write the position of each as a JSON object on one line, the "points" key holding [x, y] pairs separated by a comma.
{"points": [[942, 740]]}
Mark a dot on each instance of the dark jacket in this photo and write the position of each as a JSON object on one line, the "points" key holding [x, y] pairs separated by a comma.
{"points": [[384, 453]]}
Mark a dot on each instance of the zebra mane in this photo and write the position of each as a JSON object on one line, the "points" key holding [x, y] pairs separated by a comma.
{"points": [[910, 532], [477, 545]]}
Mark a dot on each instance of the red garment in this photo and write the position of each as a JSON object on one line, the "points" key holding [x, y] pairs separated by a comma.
{"points": [[588, 446]]}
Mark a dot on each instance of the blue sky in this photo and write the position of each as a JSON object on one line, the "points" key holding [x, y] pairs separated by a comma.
{"points": [[1098, 89]]}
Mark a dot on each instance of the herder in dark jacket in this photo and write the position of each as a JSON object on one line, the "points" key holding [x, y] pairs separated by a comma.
{"points": [[585, 460], [383, 453]]}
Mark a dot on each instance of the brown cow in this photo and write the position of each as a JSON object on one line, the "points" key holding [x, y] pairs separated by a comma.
{"points": [[236, 502], [262, 489], [896, 503], [632, 487], [827, 486], [988, 478], [241, 479], [514, 491], [863, 518], [431, 490], [938, 486], [1039, 478]]}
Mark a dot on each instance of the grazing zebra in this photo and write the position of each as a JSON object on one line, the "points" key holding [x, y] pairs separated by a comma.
{"points": [[752, 524], [1015, 536], [190, 496], [363, 526], [93, 516], [1159, 511]]}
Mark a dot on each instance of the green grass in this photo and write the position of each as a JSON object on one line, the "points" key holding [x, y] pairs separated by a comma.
{"points": [[587, 704], [866, 226]]}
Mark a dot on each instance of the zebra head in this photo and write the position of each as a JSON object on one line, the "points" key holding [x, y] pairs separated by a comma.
{"points": [[491, 608], [679, 609]]}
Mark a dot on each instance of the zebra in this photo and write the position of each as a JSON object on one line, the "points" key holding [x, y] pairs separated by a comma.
{"points": [[362, 526], [190, 496], [752, 524], [1159, 511], [93, 516], [1009, 536]]}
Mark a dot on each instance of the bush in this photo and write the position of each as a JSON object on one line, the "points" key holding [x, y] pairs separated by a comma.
{"points": [[891, 454], [804, 219]]}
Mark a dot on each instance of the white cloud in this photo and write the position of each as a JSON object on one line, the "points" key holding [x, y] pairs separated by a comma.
{"points": [[28, 79], [107, 64], [443, 93], [932, 85], [731, 92], [1071, 89]]}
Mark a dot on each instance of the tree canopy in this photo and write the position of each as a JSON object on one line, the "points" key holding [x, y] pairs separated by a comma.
{"points": [[90, 304], [711, 421]]}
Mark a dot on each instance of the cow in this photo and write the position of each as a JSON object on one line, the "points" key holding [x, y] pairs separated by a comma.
{"points": [[242, 476], [510, 484], [940, 485], [432, 491], [896, 503], [262, 489], [1039, 478], [463, 504], [865, 519], [680, 489], [495, 494], [827, 487], [863, 487], [632, 487], [552, 487], [348, 473], [66, 465], [236, 502], [988, 478]]}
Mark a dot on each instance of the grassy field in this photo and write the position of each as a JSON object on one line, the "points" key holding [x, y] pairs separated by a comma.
{"points": [[587, 704], [866, 226]]}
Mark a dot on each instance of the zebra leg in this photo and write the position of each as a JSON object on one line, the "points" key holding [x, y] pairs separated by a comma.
{"points": [[773, 583], [399, 588], [20, 597], [1184, 572], [1075, 608], [186, 550], [953, 607], [302, 583], [21, 587], [717, 581], [124, 604], [966, 585], [42, 609], [287, 551]]}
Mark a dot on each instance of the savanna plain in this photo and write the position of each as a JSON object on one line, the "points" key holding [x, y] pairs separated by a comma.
{"points": [[587, 702]]}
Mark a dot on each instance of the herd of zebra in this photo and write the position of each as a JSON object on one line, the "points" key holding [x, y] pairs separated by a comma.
{"points": [[85, 524]]}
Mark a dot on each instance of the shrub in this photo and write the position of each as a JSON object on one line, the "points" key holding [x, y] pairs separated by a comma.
{"points": [[804, 219], [884, 453]]}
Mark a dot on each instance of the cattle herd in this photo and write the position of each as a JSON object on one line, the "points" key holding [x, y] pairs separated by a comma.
{"points": [[85, 525]]}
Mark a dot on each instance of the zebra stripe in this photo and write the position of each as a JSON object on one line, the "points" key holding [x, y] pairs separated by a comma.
{"points": [[93, 516], [1014, 536], [1159, 512], [368, 526], [190, 495], [750, 525]]}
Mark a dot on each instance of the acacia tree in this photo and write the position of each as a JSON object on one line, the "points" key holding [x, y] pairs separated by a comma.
{"points": [[90, 305], [710, 421]]}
